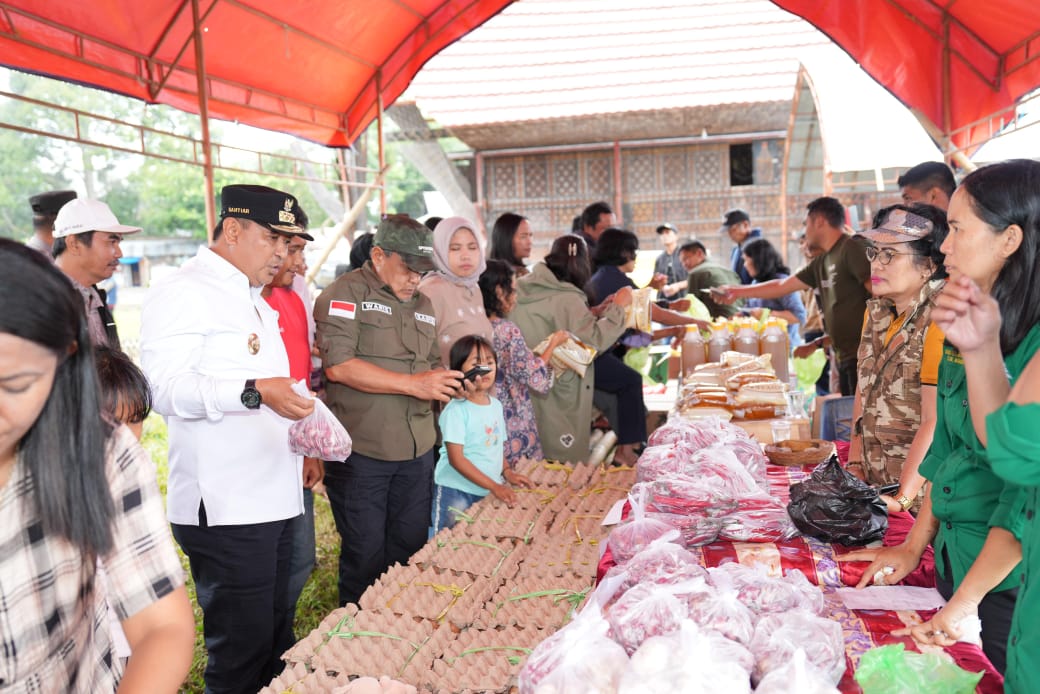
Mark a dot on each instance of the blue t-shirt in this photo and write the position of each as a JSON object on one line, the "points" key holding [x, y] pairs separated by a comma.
{"points": [[481, 431]]}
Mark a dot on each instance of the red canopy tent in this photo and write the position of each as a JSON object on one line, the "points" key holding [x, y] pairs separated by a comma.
{"points": [[960, 65], [322, 69]]}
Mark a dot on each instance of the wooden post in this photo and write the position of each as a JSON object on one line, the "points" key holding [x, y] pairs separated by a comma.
{"points": [[203, 95]]}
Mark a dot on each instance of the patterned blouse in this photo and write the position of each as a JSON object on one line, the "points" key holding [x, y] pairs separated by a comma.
{"points": [[518, 371], [54, 619]]}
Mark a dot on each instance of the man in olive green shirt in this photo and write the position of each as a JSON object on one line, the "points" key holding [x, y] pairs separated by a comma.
{"points": [[377, 336], [841, 274], [705, 274]]}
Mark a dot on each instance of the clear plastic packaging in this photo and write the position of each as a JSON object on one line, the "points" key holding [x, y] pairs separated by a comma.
{"points": [[799, 675], [319, 434], [777, 636], [688, 661], [764, 594], [651, 610], [662, 561], [627, 539], [694, 530], [721, 610]]}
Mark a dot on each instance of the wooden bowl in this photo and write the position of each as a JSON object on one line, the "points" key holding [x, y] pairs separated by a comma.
{"points": [[794, 452]]}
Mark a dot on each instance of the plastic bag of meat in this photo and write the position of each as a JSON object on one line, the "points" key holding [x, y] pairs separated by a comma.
{"points": [[764, 594], [719, 463], [777, 636], [799, 675], [662, 561], [627, 539], [700, 434], [647, 610], [721, 610], [579, 658], [685, 494], [688, 661], [751, 456], [656, 462], [319, 434], [694, 530], [766, 524]]}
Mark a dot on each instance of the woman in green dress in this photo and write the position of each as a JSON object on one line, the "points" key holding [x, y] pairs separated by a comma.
{"points": [[971, 516]]}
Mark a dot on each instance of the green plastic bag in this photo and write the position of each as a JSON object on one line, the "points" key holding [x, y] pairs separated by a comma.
{"points": [[809, 369], [894, 670]]}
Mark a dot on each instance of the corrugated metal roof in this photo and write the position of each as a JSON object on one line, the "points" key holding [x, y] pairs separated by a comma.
{"points": [[546, 59]]}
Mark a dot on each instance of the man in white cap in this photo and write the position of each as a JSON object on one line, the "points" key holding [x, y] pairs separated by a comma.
{"points": [[86, 249]]}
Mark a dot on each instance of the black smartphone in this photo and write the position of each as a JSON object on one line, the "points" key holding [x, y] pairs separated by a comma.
{"points": [[888, 489], [478, 370]]}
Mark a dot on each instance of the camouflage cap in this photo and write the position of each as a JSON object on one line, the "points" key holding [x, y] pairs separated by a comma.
{"points": [[900, 226], [408, 238]]}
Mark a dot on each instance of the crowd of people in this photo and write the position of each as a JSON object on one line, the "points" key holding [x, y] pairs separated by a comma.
{"points": [[437, 354]]}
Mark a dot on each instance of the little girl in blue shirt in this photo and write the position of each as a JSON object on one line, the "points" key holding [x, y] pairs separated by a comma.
{"points": [[473, 432]]}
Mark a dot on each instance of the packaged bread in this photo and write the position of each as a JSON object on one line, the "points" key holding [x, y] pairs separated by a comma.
{"points": [[768, 392], [637, 313], [733, 358], [573, 354], [762, 362], [736, 382]]}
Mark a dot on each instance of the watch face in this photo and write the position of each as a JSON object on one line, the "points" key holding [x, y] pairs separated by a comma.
{"points": [[251, 398]]}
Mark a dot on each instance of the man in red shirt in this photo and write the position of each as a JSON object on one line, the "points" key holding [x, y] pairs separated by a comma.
{"points": [[293, 324]]}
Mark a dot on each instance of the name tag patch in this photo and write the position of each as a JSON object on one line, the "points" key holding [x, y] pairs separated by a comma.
{"points": [[422, 317], [342, 309], [376, 306]]}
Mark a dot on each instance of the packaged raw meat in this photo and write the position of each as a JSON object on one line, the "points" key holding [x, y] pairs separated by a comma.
{"points": [[777, 636], [627, 539], [767, 524], [685, 494], [721, 610], [694, 530], [764, 594], [578, 659], [688, 661], [751, 456], [720, 463], [696, 434], [660, 461], [647, 610], [318, 435], [799, 675], [662, 561]]}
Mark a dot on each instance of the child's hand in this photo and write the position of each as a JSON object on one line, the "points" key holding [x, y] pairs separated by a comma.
{"points": [[505, 494], [517, 480]]}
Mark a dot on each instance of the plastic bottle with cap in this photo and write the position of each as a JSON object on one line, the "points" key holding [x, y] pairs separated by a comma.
{"points": [[694, 350], [775, 344], [721, 341], [746, 339]]}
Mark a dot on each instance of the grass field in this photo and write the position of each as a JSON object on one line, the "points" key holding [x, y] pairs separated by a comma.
{"points": [[319, 597]]}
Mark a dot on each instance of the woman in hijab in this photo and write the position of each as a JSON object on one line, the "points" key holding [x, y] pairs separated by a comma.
{"points": [[458, 252]]}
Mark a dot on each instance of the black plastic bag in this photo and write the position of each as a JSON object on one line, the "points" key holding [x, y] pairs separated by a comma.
{"points": [[834, 506]]}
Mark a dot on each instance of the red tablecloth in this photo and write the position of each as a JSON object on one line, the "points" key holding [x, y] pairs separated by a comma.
{"points": [[864, 629]]}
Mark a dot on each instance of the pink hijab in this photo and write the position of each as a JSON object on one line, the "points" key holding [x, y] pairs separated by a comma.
{"points": [[442, 234]]}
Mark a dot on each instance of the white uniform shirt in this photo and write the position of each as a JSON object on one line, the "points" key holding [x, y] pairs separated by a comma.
{"points": [[204, 332]]}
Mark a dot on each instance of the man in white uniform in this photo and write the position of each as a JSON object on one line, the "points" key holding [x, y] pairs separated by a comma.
{"points": [[212, 351]]}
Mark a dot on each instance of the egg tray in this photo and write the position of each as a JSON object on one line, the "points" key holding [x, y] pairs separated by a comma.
{"points": [[623, 476], [502, 522], [297, 679], [482, 660], [396, 575], [436, 595], [479, 557], [545, 474], [558, 557], [597, 499], [353, 642], [578, 526], [536, 602]]}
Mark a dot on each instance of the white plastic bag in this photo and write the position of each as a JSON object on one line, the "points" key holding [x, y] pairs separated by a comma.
{"points": [[798, 675], [319, 434], [629, 538]]}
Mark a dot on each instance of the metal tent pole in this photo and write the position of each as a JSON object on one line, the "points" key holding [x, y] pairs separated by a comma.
{"points": [[207, 154]]}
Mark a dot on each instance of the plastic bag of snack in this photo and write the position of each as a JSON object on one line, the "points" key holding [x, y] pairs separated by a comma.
{"points": [[647, 610], [777, 636], [318, 435], [800, 676], [579, 658], [627, 539], [892, 669], [573, 354], [637, 313], [699, 434], [690, 661]]}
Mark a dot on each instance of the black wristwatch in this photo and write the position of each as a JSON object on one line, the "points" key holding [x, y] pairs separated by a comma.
{"points": [[251, 396]]}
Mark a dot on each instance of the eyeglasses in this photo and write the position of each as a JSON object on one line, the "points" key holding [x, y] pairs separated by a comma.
{"points": [[883, 255]]}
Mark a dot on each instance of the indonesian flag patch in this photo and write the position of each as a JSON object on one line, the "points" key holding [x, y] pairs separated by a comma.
{"points": [[342, 309]]}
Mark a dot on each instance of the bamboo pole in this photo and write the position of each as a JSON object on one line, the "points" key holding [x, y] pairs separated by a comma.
{"points": [[347, 224]]}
